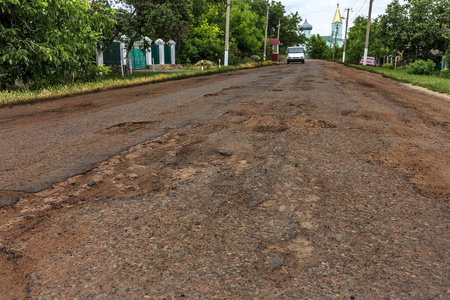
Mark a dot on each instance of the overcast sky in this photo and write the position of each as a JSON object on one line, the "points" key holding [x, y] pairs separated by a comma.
{"points": [[320, 13]]}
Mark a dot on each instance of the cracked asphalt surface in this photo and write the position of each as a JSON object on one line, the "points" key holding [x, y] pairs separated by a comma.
{"points": [[313, 181]]}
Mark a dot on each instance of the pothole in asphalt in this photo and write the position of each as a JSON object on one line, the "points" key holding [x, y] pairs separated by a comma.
{"points": [[276, 89], [270, 128], [348, 112], [238, 113], [325, 124], [234, 87], [212, 94], [223, 91], [128, 127]]}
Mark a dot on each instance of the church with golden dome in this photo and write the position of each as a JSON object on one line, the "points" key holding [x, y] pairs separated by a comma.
{"points": [[337, 28]]}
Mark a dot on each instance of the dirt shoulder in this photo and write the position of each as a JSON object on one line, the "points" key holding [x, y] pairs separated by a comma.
{"points": [[300, 181]]}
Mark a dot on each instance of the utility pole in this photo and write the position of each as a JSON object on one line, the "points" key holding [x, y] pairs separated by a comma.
{"points": [[279, 25], [265, 36], [345, 36], [366, 47], [331, 39], [227, 34], [278, 37]]}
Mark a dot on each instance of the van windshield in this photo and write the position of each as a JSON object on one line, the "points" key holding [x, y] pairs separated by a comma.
{"points": [[295, 50]]}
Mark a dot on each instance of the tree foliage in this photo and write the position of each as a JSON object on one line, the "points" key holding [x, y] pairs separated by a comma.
{"points": [[247, 27], [291, 33], [416, 27], [246, 33], [317, 47], [357, 39], [46, 42], [203, 43], [244, 29]]}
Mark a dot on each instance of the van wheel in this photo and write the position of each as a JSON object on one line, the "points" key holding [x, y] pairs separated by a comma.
{"points": [[287, 62]]}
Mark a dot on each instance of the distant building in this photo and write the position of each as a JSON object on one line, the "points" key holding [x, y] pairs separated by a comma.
{"points": [[336, 30], [307, 28]]}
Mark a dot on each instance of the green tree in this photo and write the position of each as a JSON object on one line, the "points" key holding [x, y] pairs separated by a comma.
{"points": [[416, 27], [290, 31], [244, 29], [317, 48], [246, 38], [46, 42], [247, 27], [357, 39], [203, 43], [202, 7]]}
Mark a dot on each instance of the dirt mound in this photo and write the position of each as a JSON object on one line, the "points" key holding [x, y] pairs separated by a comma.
{"points": [[207, 64]]}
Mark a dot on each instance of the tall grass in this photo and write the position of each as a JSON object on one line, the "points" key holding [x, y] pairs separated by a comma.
{"points": [[8, 98], [431, 82]]}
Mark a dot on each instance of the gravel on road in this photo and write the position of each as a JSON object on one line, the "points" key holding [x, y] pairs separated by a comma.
{"points": [[313, 181]]}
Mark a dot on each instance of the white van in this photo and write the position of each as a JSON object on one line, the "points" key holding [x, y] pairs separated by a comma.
{"points": [[296, 54]]}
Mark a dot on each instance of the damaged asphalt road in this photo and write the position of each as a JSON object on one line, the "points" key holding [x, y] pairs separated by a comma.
{"points": [[284, 182]]}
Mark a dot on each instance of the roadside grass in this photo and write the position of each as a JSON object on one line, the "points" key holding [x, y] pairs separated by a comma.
{"points": [[431, 82], [9, 98]]}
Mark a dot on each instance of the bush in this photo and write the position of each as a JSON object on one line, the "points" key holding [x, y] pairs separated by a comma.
{"points": [[445, 73], [421, 67], [388, 66], [256, 58]]}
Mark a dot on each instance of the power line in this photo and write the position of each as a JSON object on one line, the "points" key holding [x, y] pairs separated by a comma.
{"points": [[357, 14], [356, 1]]}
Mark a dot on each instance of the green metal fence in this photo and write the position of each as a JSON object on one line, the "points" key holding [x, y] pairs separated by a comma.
{"points": [[137, 57], [155, 54], [167, 54], [111, 56]]}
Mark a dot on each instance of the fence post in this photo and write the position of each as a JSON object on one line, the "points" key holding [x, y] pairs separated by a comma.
{"points": [[160, 43], [172, 44], [148, 52], [444, 61], [122, 51]]}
